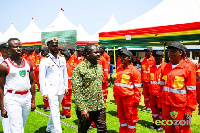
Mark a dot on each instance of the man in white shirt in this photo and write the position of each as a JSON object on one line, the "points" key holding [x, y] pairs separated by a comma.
{"points": [[53, 82], [17, 80]]}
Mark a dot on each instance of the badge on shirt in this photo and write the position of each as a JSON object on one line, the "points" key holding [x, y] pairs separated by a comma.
{"points": [[174, 114], [22, 73]]}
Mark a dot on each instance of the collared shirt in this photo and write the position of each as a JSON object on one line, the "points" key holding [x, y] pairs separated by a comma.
{"points": [[1, 59], [87, 86], [53, 75]]}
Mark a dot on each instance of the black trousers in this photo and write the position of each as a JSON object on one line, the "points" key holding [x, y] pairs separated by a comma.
{"points": [[99, 118]]}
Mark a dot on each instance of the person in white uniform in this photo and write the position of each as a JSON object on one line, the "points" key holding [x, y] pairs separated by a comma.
{"points": [[5, 55], [17, 80], [53, 83]]}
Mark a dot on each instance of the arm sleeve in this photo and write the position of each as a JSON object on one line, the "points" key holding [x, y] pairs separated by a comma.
{"points": [[191, 90], [137, 85], [42, 77], [65, 76], [105, 71], [77, 89]]}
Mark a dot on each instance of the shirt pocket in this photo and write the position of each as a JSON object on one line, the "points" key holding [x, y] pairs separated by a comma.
{"points": [[198, 72], [125, 78], [143, 67], [178, 82], [165, 78], [151, 76]]}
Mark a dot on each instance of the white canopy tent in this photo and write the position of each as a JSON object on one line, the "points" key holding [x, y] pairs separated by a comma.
{"points": [[111, 25], [10, 33], [32, 33], [82, 35], [61, 23], [168, 12]]}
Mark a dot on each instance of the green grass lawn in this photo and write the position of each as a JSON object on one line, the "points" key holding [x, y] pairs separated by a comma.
{"points": [[37, 123]]}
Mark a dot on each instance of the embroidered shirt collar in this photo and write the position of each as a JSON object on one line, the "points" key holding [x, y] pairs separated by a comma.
{"points": [[50, 55]]}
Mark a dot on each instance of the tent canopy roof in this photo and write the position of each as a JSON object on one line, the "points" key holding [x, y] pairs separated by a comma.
{"points": [[61, 23], [168, 12]]}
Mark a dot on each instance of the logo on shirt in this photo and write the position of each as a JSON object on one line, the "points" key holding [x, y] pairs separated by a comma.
{"points": [[174, 114], [22, 73]]}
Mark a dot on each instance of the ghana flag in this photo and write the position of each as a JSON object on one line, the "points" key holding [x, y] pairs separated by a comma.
{"points": [[189, 33]]}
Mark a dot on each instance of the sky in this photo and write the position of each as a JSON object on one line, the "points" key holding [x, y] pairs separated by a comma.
{"points": [[92, 14]]}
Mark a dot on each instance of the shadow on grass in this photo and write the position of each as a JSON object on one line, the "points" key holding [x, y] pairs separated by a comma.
{"points": [[113, 113], [112, 131], [75, 121], [145, 123], [112, 102], [40, 106], [41, 130], [73, 101]]}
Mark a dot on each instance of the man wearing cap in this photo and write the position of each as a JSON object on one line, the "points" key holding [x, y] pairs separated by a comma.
{"points": [[87, 90], [80, 56], [67, 100], [155, 88], [119, 63], [178, 96], [4, 52], [187, 60], [146, 64], [127, 92], [73, 57], [104, 65], [17, 79], [53, 83], [106, 56], [4, 56]]}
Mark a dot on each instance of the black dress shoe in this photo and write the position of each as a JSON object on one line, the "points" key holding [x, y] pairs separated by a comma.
{"points": [[148, 109], [160, 129], [144, 108]]}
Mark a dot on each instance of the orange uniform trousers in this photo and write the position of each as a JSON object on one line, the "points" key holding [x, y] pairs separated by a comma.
{"points": [[66, 104], [37, 79], [127, 114], [180, 128], [154, 107], [146, 93]]}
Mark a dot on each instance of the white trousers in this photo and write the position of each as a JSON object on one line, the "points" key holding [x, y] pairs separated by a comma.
{"points": [[5, 124], [18, 108], [54, 125]]}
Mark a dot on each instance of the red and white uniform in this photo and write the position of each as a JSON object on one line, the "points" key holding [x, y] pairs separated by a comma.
{"points": [[127, 92], [198, 85], [107, 57], [72, 61], [17, 100], [38, 57], [79, 60], [155, 73], [104, 64], [67, 100], [178, 94], [145, 73]]}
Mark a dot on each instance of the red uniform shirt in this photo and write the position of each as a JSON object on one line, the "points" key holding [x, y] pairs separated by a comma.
{"points": [[179, 87], [38, 57], [155, 76], [79, 60], [128, 83], [145, 68], [104, 65]]}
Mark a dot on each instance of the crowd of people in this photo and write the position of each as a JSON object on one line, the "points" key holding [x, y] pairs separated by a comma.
{"points": [[170, 90]]}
